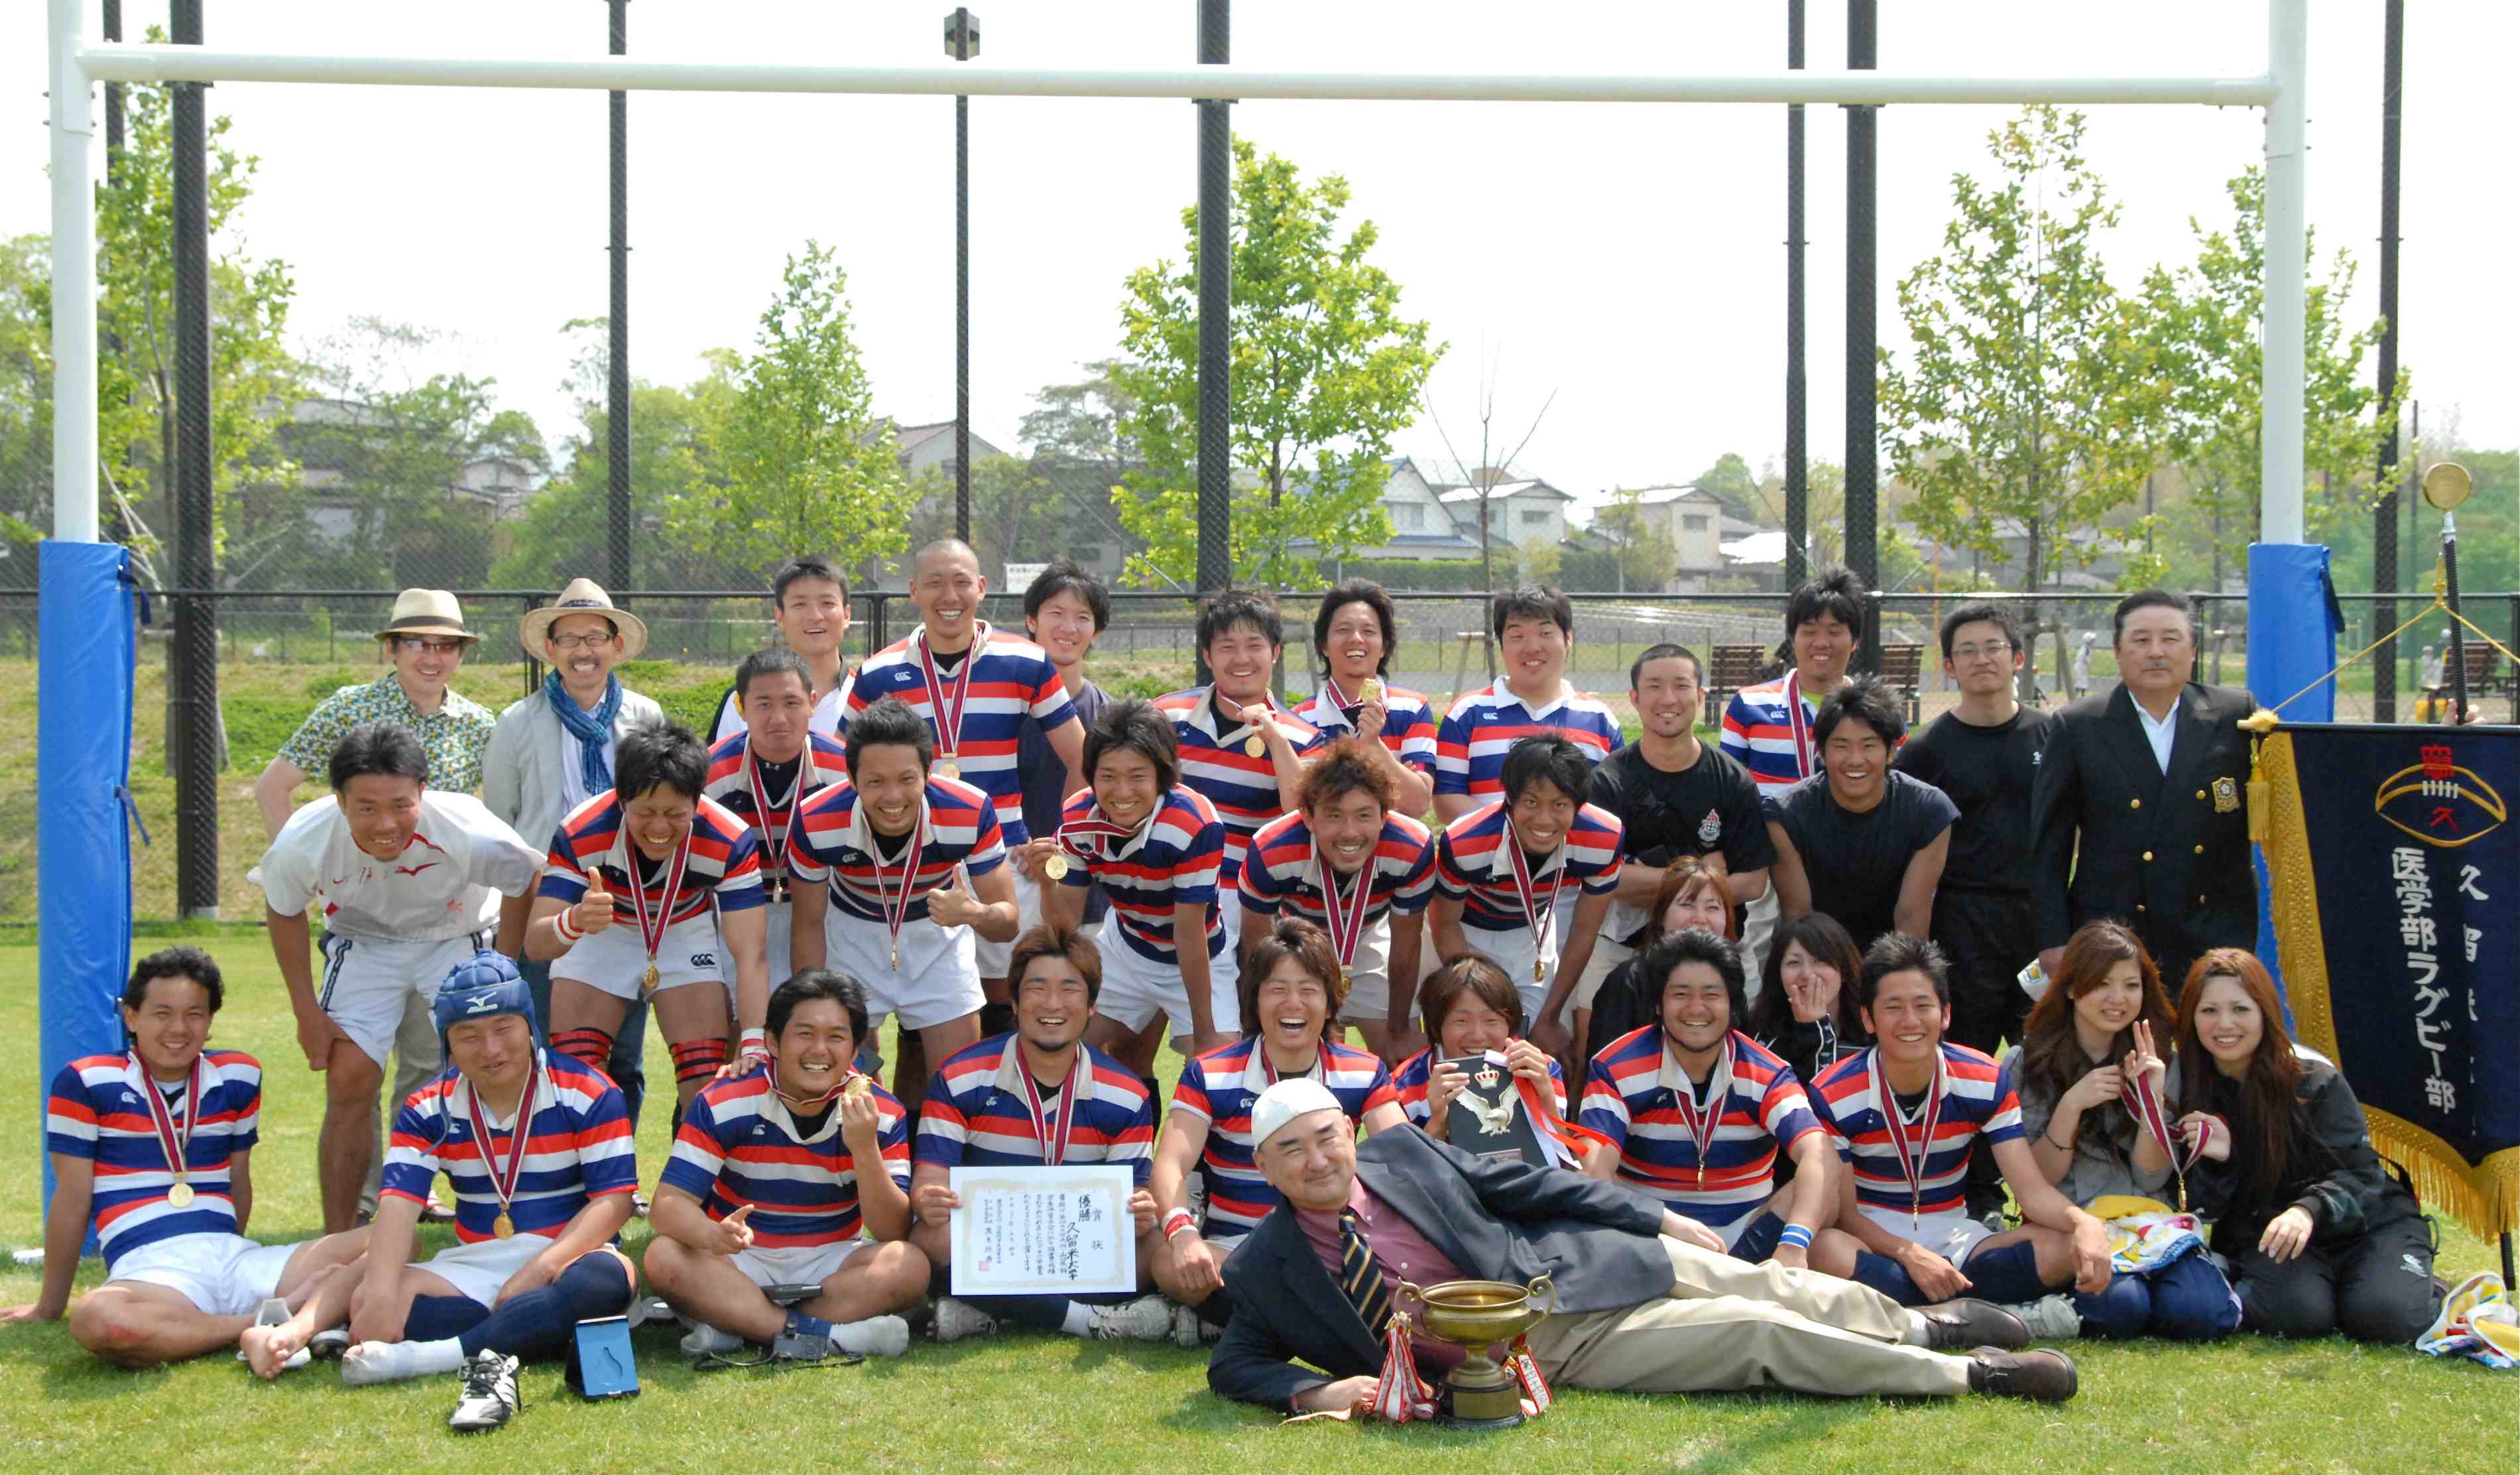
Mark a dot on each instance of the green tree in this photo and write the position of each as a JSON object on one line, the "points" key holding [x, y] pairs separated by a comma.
{"points": [[1324, 372], [26, 403], [807, 463], [1643, 555], [1731, 482], [2028, 407], [2208, 320]]}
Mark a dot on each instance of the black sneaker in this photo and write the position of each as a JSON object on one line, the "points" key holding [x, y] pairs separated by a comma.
{"points": [[1959, 1326], [2043, 1376], [490, 1395]]}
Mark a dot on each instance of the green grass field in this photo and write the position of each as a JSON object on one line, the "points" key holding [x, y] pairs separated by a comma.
{"points": [[1043, 1403]]}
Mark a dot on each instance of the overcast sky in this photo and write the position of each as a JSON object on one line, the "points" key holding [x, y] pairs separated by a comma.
{"points": [[1626, 257]]}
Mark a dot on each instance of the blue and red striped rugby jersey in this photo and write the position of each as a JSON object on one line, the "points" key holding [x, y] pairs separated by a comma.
{"points": [[738, 1145], [1280, 874], [1760, 734], [1484, 725], [1632, 1101], [1410, 1081], [1471, 865], [95, 1111], [833, 843], [1408, 723], [1221, 1086], [977, 1115], [1977, 1097], [1010, 682], [1171, 861], [821, 764], [581, 1149], [1241, 787], [724, 863]]}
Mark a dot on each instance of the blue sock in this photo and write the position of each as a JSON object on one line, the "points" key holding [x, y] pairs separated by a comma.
{"points": [[537, 1325], [1888, 1277], [801, 1324], [434, 1319]]}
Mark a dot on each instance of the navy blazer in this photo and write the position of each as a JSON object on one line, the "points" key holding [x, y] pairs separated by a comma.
{"points": [[1598, 1242]]}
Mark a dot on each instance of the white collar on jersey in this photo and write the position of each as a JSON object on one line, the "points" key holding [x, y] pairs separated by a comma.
{"points": [[1203, 715], [1672, 1079], [1500, 864], [860, 835], [1504, 691]]}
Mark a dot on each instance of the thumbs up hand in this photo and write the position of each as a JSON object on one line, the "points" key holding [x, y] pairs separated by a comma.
{"points": [[594, 911], [954, 905]]}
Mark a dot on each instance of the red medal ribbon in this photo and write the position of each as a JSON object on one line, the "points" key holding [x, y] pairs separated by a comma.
{"points": [[1345, 922], [2145, 1102], [775, 846], [1914, 1171], [1084, 838], [1701, 1128], [1544, 920], [947, 718], [1054, 1141], [1319, 1069], [1561, 1142], [896, 903], [173, 1140], [1800, 726], [504, 1181], [653, 937]]}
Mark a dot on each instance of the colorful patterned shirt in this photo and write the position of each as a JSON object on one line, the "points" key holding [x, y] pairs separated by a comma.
{"points": [[723, 865], [1410, 1084], [454, 736], [1218, 764], [1221, 1087], [978, 1114], [819, 764], [1484, 725], [580, 1150], [1771, 737], [833, 843], [1281, 872], [96, 1111], [1170, 861], [1977, 1098], [1408, 723], [738, 1145], [1758, 1109], [1473, 868], [1009, 682]]}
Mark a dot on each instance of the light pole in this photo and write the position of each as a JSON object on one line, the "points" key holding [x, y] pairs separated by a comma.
{"points": [[961, 43]]}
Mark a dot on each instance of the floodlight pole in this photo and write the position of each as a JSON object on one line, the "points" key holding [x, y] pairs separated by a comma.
{"points": [[192, 667], [1797, 406], [73, 281], [2384, 476], [1215, 309], [619, 521], [1863, 359]]}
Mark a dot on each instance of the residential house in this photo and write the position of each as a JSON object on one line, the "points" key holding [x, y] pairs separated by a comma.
{"points": [[1517, 511]]}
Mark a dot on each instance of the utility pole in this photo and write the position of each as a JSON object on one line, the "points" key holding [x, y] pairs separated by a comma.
{"points": [[194, 665], [961, 43], [1863, 432], [2384, 476], [618, 521], [1797, 448]]}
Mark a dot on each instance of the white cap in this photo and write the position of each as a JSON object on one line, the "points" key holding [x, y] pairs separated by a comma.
{"points": [[1286, 1101]]}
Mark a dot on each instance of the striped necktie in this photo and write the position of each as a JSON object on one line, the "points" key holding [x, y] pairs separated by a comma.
{"points": [[1361, 1275]]}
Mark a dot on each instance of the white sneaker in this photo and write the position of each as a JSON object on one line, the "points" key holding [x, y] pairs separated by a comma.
{"points": [[1147, 1318], [2051, 1319], [490, 1394], [702, 1340], [1185, 1328], [956, 1319], [875, 1336]]}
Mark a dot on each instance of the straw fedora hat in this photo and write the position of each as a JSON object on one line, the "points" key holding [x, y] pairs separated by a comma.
{"points": [[427, 611], [582, 597]]}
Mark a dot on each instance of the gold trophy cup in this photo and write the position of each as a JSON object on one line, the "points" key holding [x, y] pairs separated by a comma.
{"points": [[1476, 1315]]}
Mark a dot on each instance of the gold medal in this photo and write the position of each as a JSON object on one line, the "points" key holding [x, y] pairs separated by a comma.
{"points": [[1371, 692], [1540, 970], [947, 768], [180, 1195], [858, 1086], [1255, 746], [648, 981], [503, 1226], [1056, 868]]}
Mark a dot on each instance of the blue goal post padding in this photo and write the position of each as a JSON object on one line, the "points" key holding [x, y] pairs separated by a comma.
{"points": [[86, 605], [2293, 623]]}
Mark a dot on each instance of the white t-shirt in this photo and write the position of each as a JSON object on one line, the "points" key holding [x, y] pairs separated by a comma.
{"points": [[447, 882], [826, 719]]}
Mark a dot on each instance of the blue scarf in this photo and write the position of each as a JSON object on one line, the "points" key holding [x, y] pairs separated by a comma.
{"points": [[592, 730]]}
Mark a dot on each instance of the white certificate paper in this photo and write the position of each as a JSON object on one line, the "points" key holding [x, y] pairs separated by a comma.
{"points": [[1042, 1230]]}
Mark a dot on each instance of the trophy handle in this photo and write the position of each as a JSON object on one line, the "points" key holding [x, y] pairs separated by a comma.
{"points": [[1544, 1284], [1407, 1290]]}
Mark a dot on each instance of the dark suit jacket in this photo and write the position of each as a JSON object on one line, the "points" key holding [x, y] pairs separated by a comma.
{"points": [[2168, 853], [1501, 1221]]}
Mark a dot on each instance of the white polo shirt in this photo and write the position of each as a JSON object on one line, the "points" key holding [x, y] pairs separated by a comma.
{"points": [[446, 883]]}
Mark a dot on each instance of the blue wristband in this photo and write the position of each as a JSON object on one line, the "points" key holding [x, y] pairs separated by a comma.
{"points": [[1795, 1236]]}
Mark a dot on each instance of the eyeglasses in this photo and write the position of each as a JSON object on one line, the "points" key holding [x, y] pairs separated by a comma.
{"points": [[1997, 650], [433, 648], [592, 640]]}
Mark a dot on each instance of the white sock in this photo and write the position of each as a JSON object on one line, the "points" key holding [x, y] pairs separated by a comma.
{"points": [[1916, 1335], [876, 1336], [1079, 1321], [394, 1362]]}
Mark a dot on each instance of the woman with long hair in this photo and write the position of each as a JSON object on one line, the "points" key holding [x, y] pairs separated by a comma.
{"points": [[2088, 1042], [1690, 896], [1806, 1009], [2321, 1237]]}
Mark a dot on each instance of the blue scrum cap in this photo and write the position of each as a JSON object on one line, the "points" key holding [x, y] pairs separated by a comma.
{"points": [[480, 987]]}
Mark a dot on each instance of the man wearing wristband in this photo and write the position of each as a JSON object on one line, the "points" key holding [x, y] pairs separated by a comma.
{"points": [[1039, 1096], [1693, 1113], [1646, 1301]]}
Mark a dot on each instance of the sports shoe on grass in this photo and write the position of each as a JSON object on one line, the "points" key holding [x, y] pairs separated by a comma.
{"points": [[490, 1396], [1146, 1318], [956, 1319], [2051, 1319]]}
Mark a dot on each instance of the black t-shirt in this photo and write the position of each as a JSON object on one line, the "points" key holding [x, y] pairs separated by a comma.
{"points": [[1986, 772], [1855, 862], [1711, 806]]}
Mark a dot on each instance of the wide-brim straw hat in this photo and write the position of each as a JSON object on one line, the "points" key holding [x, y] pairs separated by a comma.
{"points": [[427, 611], [582, 597]]}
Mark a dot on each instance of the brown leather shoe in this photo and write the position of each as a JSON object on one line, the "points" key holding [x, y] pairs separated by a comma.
{"points": [[2044, 1377], [1967, 1322]]}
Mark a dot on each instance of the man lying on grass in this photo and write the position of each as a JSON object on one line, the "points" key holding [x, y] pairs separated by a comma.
{"points": [[149, 1146], [540, 1155]]}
